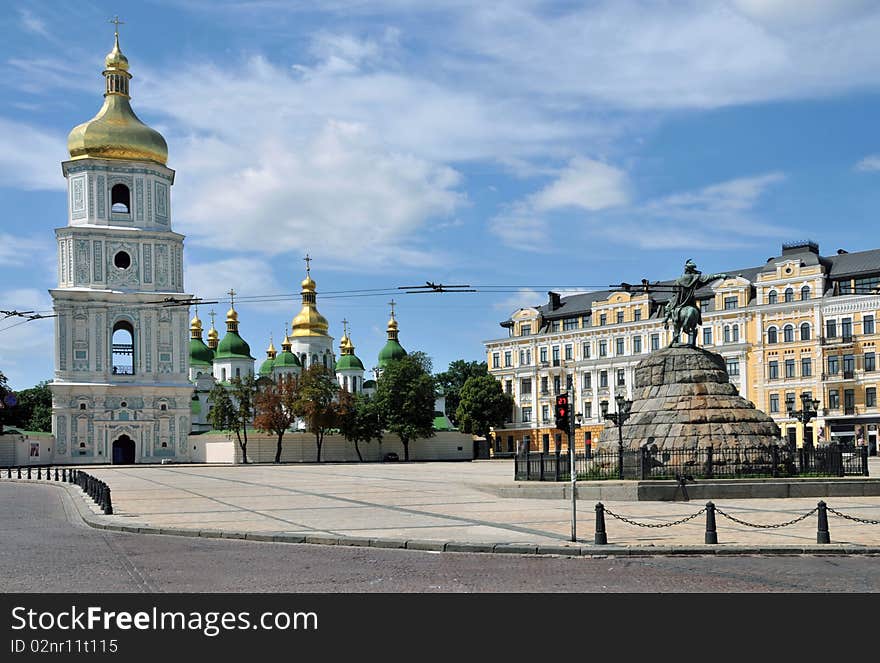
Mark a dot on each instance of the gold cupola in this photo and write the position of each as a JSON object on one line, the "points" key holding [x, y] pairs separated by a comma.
{"points": [[308, 321], [213, 334], [116, 132], [232, 314], [271, 352], [195, 326]]}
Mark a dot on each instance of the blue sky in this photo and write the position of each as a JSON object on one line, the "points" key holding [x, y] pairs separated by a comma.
{"points": [[526, 144]]}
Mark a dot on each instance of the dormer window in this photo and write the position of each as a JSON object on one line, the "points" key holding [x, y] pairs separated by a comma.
{"points": [[772, 298]]}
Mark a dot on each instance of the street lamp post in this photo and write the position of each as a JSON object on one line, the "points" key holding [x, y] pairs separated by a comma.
{"points": [[619, 418], [809, 409], [574, 423]]}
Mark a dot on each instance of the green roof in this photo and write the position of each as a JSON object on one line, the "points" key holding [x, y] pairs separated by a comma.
{"points": [[199, 353], [440, 423], [287, 360], [266, 367], [392, 350], [348, 363], [369, 383], [233, 346]]}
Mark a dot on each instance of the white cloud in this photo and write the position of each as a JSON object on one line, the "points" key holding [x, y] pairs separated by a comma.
{"points": [[248, 276], [16, 250], [29, 157], [869, 163], [32, 23], [584, 184]]}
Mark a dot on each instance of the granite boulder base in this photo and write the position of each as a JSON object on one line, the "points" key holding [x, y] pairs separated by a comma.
{"points": [[683, 399]]}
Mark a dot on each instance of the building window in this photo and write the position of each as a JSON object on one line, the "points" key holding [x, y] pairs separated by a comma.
{"points": [[707, 336], [557, 384], [846, 328], [543, 352], [637, 345], [736, 333], [222, 375], [496, 360], [805, 331], [603, 348], [833, 399], [806, 367], [569, 323], [585, 349], [869, 362], [508, 359], [603, 379], [123, 348], [569, 383], [508, 387], [545, 414], [805, 293], [569, 352], [789, 294], [727, 333], [772, 297], [554, 326], [588, 410], [867, 285], [556, 355], [868, 324], [544, 385], [774, 402], [833, 364], [788, 333], [120, 199], [526, 415], [771, 335], [655, 342], [773, 370], [525, 387], [603, 319], [82, 406], [831, 328], [730, 303], [637, 314], [732, 367], [588, 380], [789, 401], [849, 365], [621, 377], [789, 368], [619, 317], [871, 397], [525, 330], [618, 343], [849, 401]]}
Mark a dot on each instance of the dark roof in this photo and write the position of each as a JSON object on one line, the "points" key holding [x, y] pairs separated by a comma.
{"points": [[839, 266]]}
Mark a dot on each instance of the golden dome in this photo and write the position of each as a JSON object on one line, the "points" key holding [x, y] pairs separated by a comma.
{"points": [[116, 132], [346, 347], [213, 333], [271, 352], [231, 316], [308, 284], [195, 327], [308, 322]]}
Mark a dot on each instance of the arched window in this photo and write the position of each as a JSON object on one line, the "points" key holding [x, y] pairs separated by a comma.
{"points": [[120, 199], [789, 294], [805, 293], [772, 297], [325, 361], [771, 335], [314, 360], [805, 331], [238, 372], [222, 375], [736, 333], [727, 333], [123, 348], [788, 333]]}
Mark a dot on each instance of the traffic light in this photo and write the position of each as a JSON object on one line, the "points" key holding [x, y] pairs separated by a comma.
{"points": [[562, 414]]}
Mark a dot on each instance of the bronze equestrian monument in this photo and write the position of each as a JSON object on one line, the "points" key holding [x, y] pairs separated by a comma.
{"points": [[682, 395]]}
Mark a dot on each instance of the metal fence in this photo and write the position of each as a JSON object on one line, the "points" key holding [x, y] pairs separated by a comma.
{"points": [[704, 463]]}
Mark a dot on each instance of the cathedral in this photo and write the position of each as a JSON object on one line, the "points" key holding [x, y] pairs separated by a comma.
{"points": [[129, 385]]}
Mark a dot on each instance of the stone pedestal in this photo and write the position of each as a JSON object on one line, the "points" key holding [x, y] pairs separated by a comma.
{"points": [[683, 399]]}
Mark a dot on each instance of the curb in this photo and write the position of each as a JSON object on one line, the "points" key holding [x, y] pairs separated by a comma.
{"points": [[518, 548]]}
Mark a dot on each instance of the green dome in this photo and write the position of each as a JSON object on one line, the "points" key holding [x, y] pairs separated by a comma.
{"points": [[266, 368], [233, 346], [392, 350], [349, 362], [287, 360], [199, 353]]}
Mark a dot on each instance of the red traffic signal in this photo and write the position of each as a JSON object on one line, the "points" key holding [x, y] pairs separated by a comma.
{"points": [[562, 411]]}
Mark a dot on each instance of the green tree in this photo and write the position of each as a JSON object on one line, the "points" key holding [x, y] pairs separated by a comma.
{"points": [[244, 391], [483, 405], [405, 396], [316, 403], [274, 408], [34, 409], [452, 380], [223, 416], [4, 393], [360, 419]]}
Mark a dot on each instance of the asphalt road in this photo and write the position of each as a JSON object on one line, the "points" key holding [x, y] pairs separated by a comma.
{"points": [[45, 547]]}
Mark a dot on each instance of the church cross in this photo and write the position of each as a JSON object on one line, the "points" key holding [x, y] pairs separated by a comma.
{"points": [[392, 303], [115, 20], [212, 314], [308, 260], [345, 326], [231, 294]]}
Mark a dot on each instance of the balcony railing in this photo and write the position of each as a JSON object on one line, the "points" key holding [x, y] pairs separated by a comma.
{"points": [[836, 340]]}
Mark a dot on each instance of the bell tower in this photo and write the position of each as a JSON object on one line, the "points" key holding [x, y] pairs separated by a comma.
{"points": [[120, 393]]}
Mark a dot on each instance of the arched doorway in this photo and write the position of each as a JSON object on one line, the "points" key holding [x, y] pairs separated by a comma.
{"points": [[123, 451]]}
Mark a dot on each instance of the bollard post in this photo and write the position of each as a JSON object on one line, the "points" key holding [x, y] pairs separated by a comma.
{"points": [[18, 472], [9, 472], [600, 538], [822, 533], [774, 458], [64, 475], [710, 462], [108, 508], [56, 474], [711, 532], [29, 472], [48, 474], [39, 472], [863, 451]]}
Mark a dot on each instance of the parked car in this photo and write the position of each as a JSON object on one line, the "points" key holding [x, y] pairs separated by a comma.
{"points": [[391, 457]]}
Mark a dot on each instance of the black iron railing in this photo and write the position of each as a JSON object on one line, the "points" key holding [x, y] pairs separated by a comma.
{"points": [[705, 463]]}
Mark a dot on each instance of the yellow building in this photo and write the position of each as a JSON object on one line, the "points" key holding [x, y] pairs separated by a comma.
{"points": [[800, 323]]}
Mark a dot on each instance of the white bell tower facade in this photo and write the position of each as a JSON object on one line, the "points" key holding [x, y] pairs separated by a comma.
{"points": [[121, 392]]}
